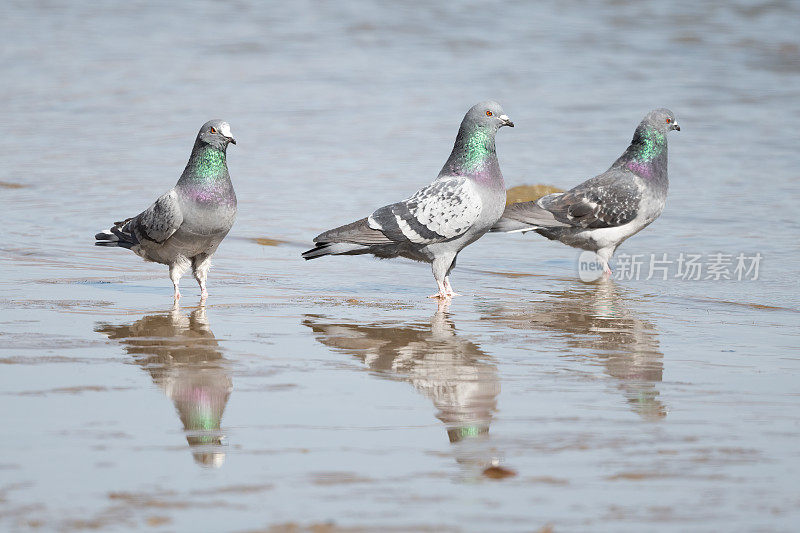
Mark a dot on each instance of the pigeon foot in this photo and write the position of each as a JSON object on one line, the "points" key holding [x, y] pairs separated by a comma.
{"points": [[449, 288]]}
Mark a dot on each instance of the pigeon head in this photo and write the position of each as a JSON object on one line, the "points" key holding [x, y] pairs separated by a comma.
{"points": [[662, 120], [207, 162], [216, 133], [487, 115], [474, 151]]}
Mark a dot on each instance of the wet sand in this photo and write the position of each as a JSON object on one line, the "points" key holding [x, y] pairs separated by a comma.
{"points": [[333, 395]]}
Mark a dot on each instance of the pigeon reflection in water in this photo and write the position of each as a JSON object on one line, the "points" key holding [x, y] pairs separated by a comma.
{"points": [[453, 372], [595, 322], [182, 355]]}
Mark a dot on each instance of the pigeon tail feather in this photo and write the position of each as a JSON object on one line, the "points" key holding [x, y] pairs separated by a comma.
{"points": [[351, 239], [525, 216], [334, 248], [119, 235], [358, 232], [106, 235], [508, 225]]}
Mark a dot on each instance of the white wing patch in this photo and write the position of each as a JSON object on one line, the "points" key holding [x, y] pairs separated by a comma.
{"points": [[374, 224], [445, 209], [410, 234], [448, 206]]}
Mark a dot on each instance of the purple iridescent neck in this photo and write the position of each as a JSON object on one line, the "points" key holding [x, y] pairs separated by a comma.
{"points": [[205, 179], [647, 154], [216, 193]]}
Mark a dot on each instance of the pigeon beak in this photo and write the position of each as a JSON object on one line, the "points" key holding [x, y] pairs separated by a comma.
{"points": [[676, 127], [231, 140], [506, 120]]}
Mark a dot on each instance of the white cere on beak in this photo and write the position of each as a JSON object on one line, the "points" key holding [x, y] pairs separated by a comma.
{"points": [[504, 117], [225, 129]]}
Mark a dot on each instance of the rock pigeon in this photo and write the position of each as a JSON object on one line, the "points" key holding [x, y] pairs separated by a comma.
{"points": [[184, 227], [603, 211], [439, 220]]}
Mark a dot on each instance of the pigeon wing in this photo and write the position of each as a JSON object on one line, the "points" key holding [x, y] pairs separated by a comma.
{"points": [[158, 222], [605, 201], [442, 211]]}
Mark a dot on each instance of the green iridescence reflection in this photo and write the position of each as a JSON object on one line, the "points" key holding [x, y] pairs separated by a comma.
{"points": [[653, 143], [470, 431], [477, 148], [202, 421], [210, 163]]}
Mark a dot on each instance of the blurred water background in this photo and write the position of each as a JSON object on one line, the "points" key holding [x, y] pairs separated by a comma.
{"points": [[332, 394]]}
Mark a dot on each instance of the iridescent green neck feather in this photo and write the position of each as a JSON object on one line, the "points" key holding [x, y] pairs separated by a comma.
{"points": [[647, 154], [478, 147], [206, 164], [649, 145], [205, 179], [473, 154]]}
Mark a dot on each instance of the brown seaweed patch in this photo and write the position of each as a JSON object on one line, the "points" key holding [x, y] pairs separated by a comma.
{"points": [[236, 489], [160, 501], [10, 185], [364, 303], [331, 527], [267, 241], [338, 478], [99, 523], [68, 390], [528, 193], [635, 476], [547, 480], [498, 472], [509, 274]]}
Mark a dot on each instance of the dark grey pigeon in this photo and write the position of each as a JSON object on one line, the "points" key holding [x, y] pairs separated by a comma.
{"points": [[439, 220], [603, 211], [184, 227]]}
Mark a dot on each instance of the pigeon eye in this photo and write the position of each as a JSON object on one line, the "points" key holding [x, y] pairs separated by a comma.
{"points": [[669, 120], [214, 130], [488, 113]]}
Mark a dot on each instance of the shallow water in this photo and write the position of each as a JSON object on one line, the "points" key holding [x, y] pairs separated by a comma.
{"points": [[333, 393]]}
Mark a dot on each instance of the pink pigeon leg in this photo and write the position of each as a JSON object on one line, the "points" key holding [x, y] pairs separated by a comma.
{"points": [[449, 288], [175, 273], [442, 294]]}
